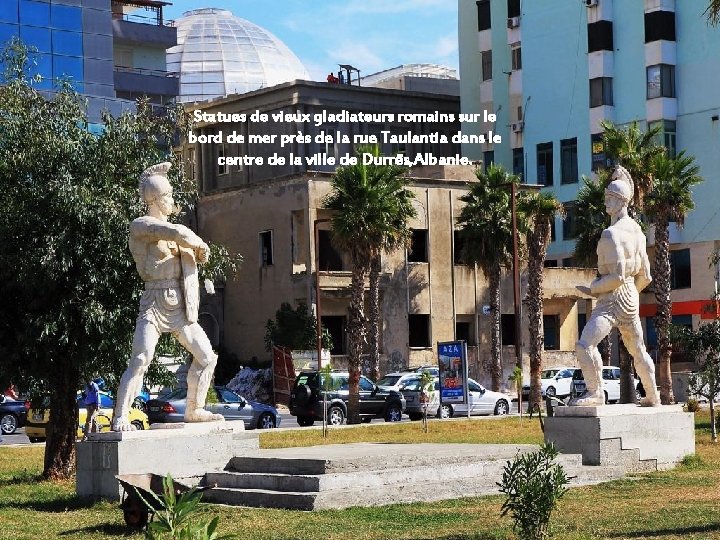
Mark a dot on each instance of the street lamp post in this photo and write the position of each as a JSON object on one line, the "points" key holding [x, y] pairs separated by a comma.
{"points": [[318, 327]]}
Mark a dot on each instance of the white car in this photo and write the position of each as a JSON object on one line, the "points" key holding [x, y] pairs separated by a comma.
{"points": [[610, 383], [394, 381], [554, 382], [481, 400]]}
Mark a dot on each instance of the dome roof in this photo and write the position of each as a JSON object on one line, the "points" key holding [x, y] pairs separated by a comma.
{"points": [[219, 54]]}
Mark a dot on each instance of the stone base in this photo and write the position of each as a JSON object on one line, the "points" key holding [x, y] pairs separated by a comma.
{"points": [[637, 438], [187, 452]]}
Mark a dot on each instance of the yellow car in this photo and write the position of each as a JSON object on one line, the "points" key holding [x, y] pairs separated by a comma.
{"points": [[38, 419]]}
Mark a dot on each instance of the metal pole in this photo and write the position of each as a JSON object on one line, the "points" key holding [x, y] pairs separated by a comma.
{"points": [[516, 279]]}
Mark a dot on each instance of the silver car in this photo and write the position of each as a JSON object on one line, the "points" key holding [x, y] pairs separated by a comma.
{"points": [[482, 401], [232, 406]]}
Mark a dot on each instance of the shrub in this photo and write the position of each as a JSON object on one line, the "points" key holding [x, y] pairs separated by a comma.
{"points": [[533, 484], [692, 405]]}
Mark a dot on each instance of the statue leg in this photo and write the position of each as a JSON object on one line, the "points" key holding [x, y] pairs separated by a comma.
{"points": [[632, 336], [590, 360], [143, 349], [200, 373]]}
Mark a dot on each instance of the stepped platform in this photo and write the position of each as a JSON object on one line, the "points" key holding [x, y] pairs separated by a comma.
{"points": [[374, 474]]}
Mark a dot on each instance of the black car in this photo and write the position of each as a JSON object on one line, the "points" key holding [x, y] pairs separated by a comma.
{"points": [[306, 399], [13, 414]]}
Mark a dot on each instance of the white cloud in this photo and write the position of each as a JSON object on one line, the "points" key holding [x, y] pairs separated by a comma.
{"points": [[360, 55], [446, 45], [388, 6]]}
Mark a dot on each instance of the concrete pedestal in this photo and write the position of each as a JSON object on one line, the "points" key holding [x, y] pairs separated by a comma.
{"points": [[186, 451], [637, 438]]}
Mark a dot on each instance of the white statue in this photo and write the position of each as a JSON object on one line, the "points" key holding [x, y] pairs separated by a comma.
{"points": [[624, 272], [165, 255]]}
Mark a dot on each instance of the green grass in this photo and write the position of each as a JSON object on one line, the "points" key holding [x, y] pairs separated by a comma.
{"points": [[680, 504]]}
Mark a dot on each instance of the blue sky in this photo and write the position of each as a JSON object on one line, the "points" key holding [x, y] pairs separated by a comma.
{"points": [[372, 35]]}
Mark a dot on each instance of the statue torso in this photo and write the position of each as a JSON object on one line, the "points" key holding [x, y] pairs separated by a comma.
{"points": [[155, 259]]}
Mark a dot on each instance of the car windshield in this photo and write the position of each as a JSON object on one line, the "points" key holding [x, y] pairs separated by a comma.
{"points": [[566, 373], [178, 393], [389, 380], [578, 375], [549, 373], [228, 396]]}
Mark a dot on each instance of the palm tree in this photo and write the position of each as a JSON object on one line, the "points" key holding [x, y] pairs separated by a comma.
{"points": [[486, 230], [371, 208], [635, 150], [669, 201], [591, 220], [713, 12], [539, 211]]}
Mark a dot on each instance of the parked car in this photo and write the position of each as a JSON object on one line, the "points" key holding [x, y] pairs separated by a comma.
{"points": [[306, 399], [231, 405], [13, 414], [395, 381], [434, 370], [554, 382], [412, 389], [39, 418], [481, 401], [610, 384]]}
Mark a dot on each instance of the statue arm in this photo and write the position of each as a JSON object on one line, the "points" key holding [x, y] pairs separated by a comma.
{"points": [[643, 277], [611, 260], [155, 230]]}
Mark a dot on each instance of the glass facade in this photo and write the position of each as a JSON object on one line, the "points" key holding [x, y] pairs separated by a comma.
{"points": [[54, 31], [220, 54]]}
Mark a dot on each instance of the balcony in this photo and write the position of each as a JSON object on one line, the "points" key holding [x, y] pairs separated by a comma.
{"points": [[141, 22], [146, 81]]}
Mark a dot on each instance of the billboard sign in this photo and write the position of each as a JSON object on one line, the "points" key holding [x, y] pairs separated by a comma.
{"points": [[452, 360]]}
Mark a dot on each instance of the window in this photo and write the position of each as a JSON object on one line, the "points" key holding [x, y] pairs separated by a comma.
{"points": [[568, 161], [418, 246], [666, 136], [366, 385], [601, 92], [66, 17], [545, 164], [551, 332], [222, 168], [458, 247], [680, 269], [488, 159], [39, 38], [483, 11], [67, 43], [550, 263], [9, 12], [329, 258], [600, 36], [582, 321], [486, 65], [190, 170], [569, 262], [335, 325], [597, 151], [507, 328], [659, 25], [518, 158], [569, 231], [513, 8], [266, 248], [552, 230], [418, 330], [660, 81], [516, 56], [463, 332], [34, 13]]}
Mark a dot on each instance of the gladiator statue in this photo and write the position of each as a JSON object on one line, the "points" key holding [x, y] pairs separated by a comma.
{"points": [[624, 271], [166, 257]]}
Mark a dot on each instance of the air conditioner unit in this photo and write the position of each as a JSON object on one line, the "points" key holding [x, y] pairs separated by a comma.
{"points": [[591, 3], [513, 22], [517, 127]]}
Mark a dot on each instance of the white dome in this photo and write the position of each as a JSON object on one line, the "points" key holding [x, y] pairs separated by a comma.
{"points": [[219, 54]]}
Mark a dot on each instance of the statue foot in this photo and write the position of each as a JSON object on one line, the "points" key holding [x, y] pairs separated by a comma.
{"points": [[588, 400], [122, 424], [201, 415], [650, 401]]}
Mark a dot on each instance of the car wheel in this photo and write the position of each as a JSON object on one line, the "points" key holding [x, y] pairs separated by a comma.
{"points": [[415, 416], [138, 425], [8, 424], [502, 407], [393, 414], [444, 411], [335, 416], [550, 392], [266, 421], [302, 394], [305, 421]]}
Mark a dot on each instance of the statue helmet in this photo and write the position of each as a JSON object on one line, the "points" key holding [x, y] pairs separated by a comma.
{"points": [[154, 182], [621, 186]]}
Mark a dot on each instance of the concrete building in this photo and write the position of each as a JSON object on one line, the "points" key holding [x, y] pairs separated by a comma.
{"points": [[269, 213], [552, 70], [113, 51]]}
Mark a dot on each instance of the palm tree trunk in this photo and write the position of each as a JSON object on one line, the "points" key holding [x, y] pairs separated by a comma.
{"points": [[605, 348], [627, 381], [374, 338], [663, 317], [495, 340], [356, 337], [62, 428], [533, 301]]}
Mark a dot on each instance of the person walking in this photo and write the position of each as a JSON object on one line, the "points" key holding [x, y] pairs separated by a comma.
{"points": [[92, 404]]}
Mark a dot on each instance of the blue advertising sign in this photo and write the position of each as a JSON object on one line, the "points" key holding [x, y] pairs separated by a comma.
{"points": [[453, 371]]}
